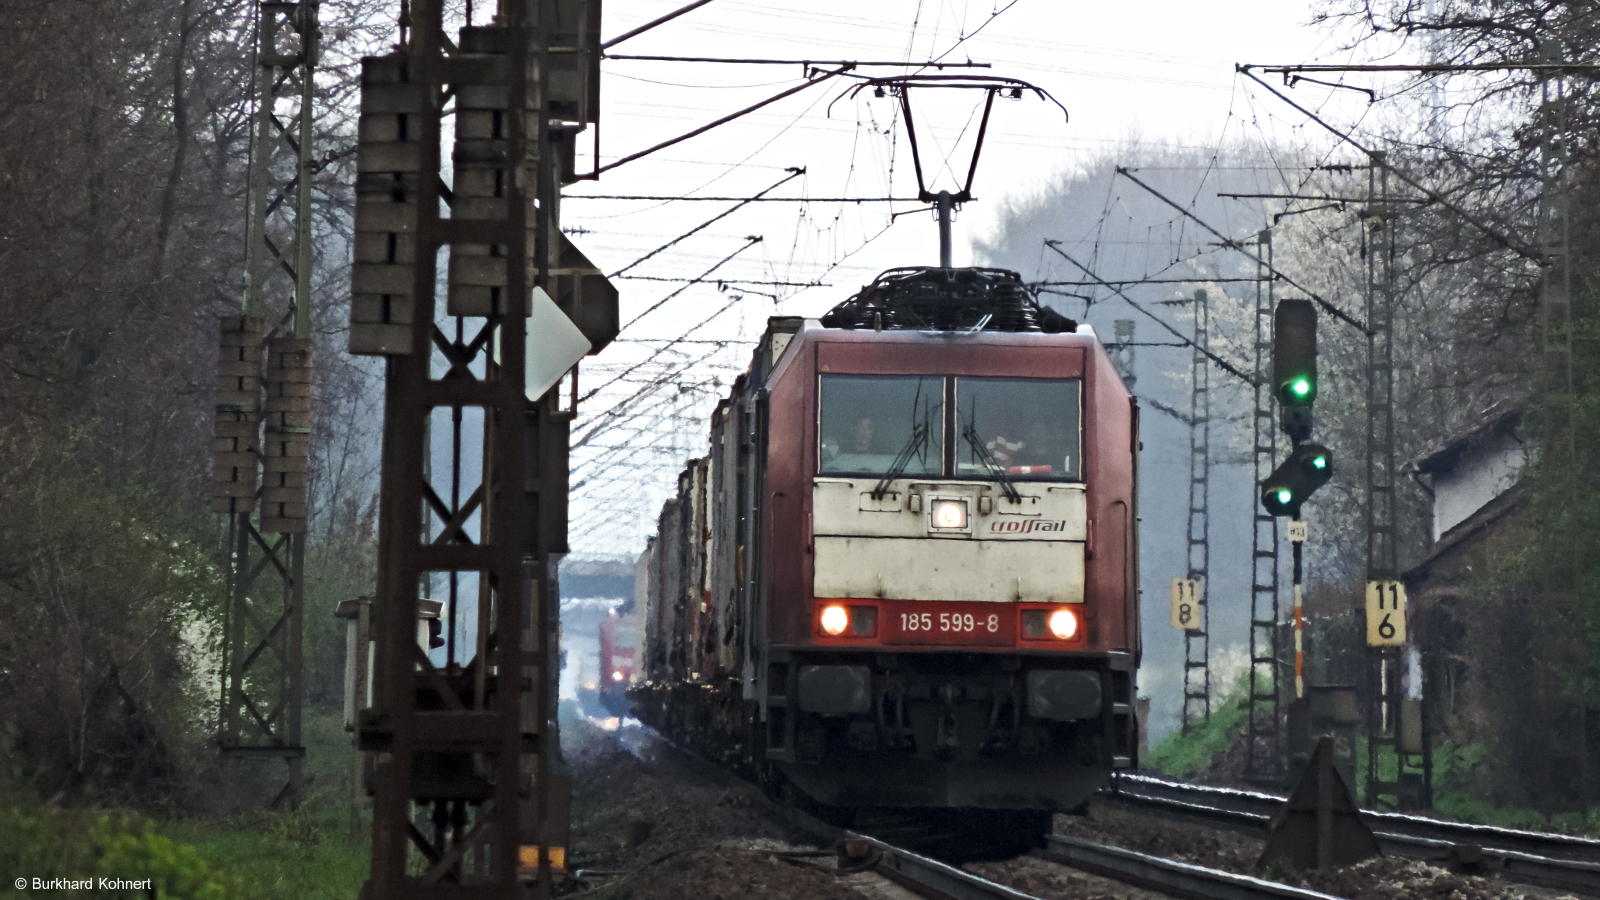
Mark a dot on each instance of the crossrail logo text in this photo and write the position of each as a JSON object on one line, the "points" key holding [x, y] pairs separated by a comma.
{"points": [[1026, 526]]}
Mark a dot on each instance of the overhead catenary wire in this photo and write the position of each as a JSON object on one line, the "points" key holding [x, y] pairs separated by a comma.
{"points": [[793, 174], [722, 281], [662, 20], [1227, 366], [681, 198], [660, 350], [1198, 279], [1232, 244], [645, 404], [850, 63], [722, 341], [1517, 247], [750, 242], [994, 14], [600, 423], [824, 76]]}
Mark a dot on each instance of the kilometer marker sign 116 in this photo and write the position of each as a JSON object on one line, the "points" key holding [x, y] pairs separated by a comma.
{"points": [[1386, 613]]}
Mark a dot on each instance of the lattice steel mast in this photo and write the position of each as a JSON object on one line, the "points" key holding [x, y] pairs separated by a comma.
{"points": [[259, 712], [1568, 760], [1197, 641], [1384, 730], [1264, 759]]}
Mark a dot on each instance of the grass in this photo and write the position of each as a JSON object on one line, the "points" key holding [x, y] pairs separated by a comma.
{"points": [[1181, 755], [299, 854], [307, 853], [1455, 771], [303, 853]]}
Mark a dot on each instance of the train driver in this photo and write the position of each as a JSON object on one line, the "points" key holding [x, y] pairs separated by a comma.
{"points": [[858, 449]]}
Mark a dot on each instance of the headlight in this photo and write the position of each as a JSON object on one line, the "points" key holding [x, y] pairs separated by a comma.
{"points": [[616, 676], [1049, 624], [1063, 624], [835, 620], [948, 514]]}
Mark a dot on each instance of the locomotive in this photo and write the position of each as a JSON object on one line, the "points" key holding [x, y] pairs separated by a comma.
{"points": [[904, 578], [619, 639]]}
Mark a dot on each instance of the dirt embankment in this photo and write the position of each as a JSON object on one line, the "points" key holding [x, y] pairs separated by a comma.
{"points": [[647, 826]]}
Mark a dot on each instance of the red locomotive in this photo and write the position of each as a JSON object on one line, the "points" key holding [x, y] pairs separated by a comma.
{"points": [[905, 576], [619, 642]]}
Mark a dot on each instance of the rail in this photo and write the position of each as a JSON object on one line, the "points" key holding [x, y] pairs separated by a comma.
{"points": [[1170, 877], [931, 878], [1565, 862], [918, 874]]}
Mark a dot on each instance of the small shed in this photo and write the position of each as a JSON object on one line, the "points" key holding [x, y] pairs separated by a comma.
{"points": [[1472, 477]]}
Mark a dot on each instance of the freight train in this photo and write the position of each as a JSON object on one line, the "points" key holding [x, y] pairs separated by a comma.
{"points": [[904, 578]]}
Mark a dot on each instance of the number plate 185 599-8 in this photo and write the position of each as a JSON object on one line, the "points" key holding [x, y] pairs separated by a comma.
{"points": [[936, 622]]}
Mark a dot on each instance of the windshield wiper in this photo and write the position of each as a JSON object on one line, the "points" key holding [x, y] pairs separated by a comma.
{"points": [[970, 434], [919, 436]]}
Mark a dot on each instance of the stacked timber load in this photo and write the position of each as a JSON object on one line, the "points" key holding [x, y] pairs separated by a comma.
{"points": [[478, 273], [237, 435], [388, 159], [288, 422]]}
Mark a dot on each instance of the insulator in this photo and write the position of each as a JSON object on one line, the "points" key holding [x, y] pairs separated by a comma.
{"points": [[284, 445], [236, 435], [478, 273], [388, 165]]}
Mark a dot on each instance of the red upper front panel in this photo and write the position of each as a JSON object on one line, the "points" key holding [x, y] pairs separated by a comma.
{"points": [[891, 353]]}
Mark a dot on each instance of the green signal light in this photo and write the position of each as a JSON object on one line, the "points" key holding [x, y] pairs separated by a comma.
{"points": [[1300, 387], [1285, 495], [1319, 462]]}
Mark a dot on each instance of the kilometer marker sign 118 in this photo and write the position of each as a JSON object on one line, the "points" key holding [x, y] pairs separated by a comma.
{"points": [[1186, 604]]}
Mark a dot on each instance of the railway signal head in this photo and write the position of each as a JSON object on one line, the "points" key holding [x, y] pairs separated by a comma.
{"points": [[1307, 468], [1294, 364]]}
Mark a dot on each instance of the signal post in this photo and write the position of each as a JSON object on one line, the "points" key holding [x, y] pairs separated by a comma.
{"points": [[468, 799], [1307, 468]]}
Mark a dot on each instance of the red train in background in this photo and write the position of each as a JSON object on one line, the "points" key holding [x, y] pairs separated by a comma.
{"points": [[619, 647], [904, 579]]}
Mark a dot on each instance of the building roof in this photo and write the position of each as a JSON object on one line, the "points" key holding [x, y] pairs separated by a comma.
{"points": [[1464, 533], [1444, 454]]}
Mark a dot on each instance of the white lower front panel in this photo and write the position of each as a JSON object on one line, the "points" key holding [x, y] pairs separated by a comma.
{"points": [[941, 569]]}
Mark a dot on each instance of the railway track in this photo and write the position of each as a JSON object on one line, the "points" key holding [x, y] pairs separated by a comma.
{"points": [[931, 878], [936, 880], [1557, 861]]}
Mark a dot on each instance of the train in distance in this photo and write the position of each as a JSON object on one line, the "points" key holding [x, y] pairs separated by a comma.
{"points": [[619, 642], [904, 578]]}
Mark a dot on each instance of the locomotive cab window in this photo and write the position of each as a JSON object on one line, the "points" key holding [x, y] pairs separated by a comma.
{"points": [[1022, 428], [868, 422]]}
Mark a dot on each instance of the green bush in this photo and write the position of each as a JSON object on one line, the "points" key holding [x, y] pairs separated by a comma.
{"points": [[130, 849], [51, 844]]}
